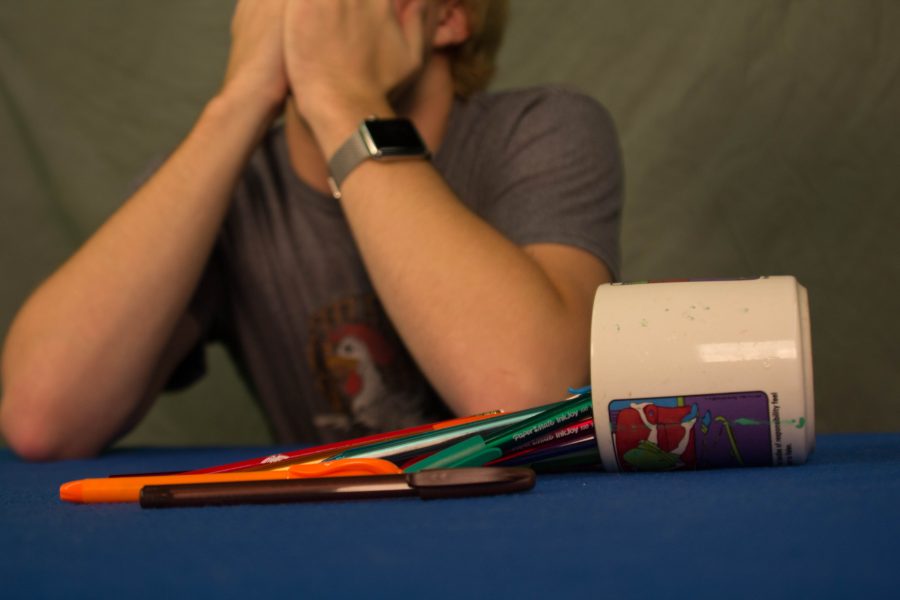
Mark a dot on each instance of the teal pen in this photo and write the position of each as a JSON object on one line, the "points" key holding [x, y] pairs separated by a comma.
{"points": [[405, 448], [477, 450]]}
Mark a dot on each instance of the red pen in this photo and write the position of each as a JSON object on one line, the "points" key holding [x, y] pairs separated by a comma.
{"points": [[327, 450]]}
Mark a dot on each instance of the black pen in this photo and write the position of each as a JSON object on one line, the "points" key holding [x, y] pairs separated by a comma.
{"points": [[428, 484]]}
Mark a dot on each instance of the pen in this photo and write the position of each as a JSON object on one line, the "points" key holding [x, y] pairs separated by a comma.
{"points": [[477, 450], [552, 450], [401, 450], [328, 450], [438, 483], [584, 426], [127, 489], [407, 459]]}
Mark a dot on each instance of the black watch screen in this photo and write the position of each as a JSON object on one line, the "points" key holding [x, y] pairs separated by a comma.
{"points": [[396, 137]]}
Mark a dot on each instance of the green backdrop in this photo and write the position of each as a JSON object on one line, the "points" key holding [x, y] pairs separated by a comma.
{"points": [[760, 137]]}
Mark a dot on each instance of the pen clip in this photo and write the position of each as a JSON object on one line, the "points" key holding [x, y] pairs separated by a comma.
{"points": [[470, 481]]}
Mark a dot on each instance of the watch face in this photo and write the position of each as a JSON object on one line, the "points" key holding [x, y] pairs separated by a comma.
{"points": [[395, 137]]}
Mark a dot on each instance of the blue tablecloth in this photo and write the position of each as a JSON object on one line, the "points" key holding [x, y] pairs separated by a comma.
{"points": [[830, 528]]}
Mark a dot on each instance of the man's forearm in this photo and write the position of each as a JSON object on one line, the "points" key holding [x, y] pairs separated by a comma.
{"points": [[486, 321], [81, 354]]}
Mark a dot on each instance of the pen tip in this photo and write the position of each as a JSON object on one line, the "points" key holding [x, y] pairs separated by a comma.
{"points": [[71, 492]]}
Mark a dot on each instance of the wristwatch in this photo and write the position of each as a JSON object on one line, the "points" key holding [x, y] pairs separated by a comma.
{"points": [[378, 139]]}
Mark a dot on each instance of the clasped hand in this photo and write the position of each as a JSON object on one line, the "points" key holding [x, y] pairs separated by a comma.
{"points": [[330, 55]]}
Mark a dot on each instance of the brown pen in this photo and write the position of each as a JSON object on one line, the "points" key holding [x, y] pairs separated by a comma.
{"points": [[428, 484]]}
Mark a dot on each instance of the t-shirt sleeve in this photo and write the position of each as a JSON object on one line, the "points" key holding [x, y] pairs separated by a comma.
{"points": [[555, 174]]}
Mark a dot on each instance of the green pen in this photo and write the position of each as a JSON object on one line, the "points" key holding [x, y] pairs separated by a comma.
{"points": [[477, 450], [406, 448]]}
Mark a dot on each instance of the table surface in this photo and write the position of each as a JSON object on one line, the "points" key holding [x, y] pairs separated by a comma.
{"points": [[829, 528]]}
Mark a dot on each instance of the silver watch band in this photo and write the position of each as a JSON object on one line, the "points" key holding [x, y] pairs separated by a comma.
{"points": [[349, 156], [381, 139]]}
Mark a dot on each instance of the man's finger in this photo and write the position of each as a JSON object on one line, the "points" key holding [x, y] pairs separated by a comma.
{"points": [[413, 24]]}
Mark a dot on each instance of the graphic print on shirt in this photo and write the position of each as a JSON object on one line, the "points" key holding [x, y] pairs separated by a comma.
{"points": [[363, 370]]}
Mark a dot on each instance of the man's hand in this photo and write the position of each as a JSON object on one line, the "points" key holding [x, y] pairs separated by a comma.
{"points": [[345, 56], [256, 66]]}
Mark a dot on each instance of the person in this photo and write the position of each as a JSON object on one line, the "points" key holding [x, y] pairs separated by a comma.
{"points": [[409, 289]]}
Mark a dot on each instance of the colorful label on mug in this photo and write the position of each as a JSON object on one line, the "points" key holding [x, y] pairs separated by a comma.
{"points": [[692, 432]]}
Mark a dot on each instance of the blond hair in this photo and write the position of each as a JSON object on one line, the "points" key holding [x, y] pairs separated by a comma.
{"points": [[472, 62]]}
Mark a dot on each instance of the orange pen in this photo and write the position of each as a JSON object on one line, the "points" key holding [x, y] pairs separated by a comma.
{"points": [[128, 489]]}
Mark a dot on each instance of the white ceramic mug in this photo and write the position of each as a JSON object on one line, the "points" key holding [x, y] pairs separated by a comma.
{"points": [[702, 374]]}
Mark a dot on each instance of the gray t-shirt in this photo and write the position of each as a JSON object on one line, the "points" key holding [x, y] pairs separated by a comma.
{"points": [[287, 292]]}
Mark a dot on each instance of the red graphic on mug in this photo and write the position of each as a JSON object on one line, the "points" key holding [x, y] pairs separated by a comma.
{"points": [[691, 432]]}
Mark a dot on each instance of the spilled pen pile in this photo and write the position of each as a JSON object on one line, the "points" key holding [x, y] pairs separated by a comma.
{"points": [[490, 453]]}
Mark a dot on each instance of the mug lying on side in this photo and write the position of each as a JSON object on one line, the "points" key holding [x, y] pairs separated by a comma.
{"points": [[702, 374]]}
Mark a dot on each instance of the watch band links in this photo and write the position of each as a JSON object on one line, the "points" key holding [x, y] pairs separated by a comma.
{"points": [[351, 153]]}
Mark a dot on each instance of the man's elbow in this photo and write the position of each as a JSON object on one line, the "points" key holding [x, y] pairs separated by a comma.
{"points": [[31, 436]]}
